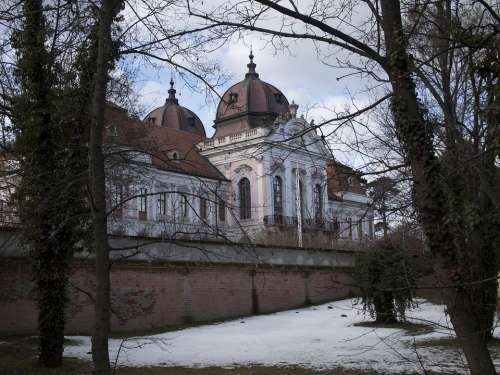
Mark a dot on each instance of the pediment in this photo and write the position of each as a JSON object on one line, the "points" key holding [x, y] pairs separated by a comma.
{"points": [[244, 168]]}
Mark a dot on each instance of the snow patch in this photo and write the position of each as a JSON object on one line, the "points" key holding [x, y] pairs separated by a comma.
{"points": [[319, 337]]}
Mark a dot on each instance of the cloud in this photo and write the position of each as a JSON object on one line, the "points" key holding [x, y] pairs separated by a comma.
{"points": [[152, 94], [295, 68]]}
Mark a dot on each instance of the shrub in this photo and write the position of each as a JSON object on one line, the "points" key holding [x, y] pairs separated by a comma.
{"points": [[386, 281]]}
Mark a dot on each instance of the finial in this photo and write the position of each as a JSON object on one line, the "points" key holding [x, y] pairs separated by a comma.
{"points": [[171, 93], [251, 66], [293, 109]]}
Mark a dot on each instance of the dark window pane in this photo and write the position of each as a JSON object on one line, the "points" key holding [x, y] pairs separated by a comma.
{"points": [[245, 200], [222, 210], [184, 206], [318, 203], [203, 208], [143, 200], [278, 198], [162, 204]]}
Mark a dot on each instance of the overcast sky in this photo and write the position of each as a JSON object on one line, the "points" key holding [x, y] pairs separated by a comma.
{"points": [[297, 70], [299, 74]]}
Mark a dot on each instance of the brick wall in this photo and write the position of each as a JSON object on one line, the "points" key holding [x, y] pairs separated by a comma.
{"points": [[148, 296]]}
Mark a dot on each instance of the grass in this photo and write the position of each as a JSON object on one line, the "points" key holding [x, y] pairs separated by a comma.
{"points": [[451, 342], [254, 370], [412, 329], [18, 357]]}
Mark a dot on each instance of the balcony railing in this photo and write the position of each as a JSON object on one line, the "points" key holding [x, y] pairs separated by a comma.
{"points": [[307, 223], [245, 135]]}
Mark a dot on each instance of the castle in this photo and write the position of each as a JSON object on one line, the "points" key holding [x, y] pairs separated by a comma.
{"points": [[265, 176], [256, 219]]}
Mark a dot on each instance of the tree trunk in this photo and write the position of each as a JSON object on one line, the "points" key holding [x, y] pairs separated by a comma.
{"points": [[469, 331], [37, 146], [384, 308], [97, 185], [430, 199], [51, 309]]}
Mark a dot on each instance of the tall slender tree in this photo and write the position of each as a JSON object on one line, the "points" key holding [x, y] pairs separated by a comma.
{"points": [[49, 142], [105, 57]]}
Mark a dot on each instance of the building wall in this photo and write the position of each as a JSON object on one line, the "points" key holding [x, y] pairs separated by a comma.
{"points": [[128, 219], [274, 151], [150, 296]]}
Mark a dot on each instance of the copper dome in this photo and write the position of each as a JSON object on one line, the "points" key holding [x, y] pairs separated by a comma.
{"points": [[172, 115], [253, 98]]}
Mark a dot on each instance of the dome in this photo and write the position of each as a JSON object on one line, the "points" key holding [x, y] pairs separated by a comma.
{"points": [[252, 98], [172, 115]]}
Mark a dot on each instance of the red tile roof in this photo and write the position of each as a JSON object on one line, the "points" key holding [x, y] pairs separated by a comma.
{"points": [[341, 178], [248, 104], [161, 143]]}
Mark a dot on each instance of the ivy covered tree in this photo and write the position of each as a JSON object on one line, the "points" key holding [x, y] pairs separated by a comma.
{"points": [[387, 282], [50, 138]]}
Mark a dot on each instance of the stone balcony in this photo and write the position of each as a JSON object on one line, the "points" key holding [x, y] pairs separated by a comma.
{"points": [[233, 138]]}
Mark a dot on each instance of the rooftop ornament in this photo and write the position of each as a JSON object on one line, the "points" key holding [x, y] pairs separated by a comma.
{"points": [[251, 67], [171, 93], [293, 109]]}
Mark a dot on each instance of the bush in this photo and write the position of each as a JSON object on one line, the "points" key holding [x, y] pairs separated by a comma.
{"points": [[387, 283]]}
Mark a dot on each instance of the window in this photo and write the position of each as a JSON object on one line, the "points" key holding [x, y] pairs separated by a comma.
{"points": [[143, 200], [117, 199], [301, 197], [162, 204], [349, 223], [278, 199], [233, 97], [222, 210], [143, 204], [112, 130], [336, 226], [117, 195], [360, 229], [184, 205], [370, 228], [245, 199], [173, 155], [203, 208], [318, 203]]}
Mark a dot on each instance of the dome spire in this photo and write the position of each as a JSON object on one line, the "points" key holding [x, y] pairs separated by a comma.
{"points": [[251, 66], [171, 93]]}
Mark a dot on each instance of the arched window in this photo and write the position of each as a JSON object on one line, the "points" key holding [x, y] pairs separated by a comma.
{"points": [[301, 201], [245, 200], [222, 210], [318, 203], [278, 199], [203, 208], [184, 205]]}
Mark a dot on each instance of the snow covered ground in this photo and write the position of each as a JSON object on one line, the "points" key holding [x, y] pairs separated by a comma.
{"points": [[317, 337]]}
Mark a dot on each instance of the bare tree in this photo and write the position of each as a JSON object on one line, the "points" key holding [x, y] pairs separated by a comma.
{"points": [[381, 48]]}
